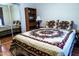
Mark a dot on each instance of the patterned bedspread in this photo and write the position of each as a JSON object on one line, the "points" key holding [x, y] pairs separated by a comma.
{"points": [[44, 41]]}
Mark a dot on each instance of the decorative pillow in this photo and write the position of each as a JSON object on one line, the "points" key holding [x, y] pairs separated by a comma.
{"points": [[51, 24], [58, 24], [43, 24], [65, 25]]}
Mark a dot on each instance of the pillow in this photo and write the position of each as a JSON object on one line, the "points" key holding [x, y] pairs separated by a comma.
{"points": [[43, 24], [51, 24], [65, 25]]}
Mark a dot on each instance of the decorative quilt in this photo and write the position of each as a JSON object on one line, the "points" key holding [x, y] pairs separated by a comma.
{"points": [[47, 40], [48, 35]]}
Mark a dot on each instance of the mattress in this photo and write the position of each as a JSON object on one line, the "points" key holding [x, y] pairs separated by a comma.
{"points": [[53, 42]]}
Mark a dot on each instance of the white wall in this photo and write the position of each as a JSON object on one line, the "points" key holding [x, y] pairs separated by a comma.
{"points": [[63, 11], [54, 11]]}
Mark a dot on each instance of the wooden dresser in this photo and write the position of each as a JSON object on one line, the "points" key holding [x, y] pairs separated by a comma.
{"points": [[30, 16]]}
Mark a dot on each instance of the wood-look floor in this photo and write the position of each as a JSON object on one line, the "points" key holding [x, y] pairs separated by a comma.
{"points": [[5, 43]]}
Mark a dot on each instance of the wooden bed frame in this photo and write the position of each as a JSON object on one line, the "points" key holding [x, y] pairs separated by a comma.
{"points": [[20, 49]]}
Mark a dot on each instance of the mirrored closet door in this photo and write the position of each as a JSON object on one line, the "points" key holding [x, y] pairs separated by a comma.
{"points": [[5, 23], [10, 24], [5, 29]]}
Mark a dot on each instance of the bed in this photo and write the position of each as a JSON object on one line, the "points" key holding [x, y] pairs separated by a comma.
{"points": [[50, 41]]}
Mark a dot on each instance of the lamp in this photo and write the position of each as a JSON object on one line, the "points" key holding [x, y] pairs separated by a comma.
{"points": [[38, 19]]}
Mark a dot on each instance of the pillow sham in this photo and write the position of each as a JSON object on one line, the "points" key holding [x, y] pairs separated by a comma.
{"points": [[65, 25], [51, 24]]}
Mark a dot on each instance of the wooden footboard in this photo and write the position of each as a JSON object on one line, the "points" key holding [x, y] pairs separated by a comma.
{"points": [[20, 49]]}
